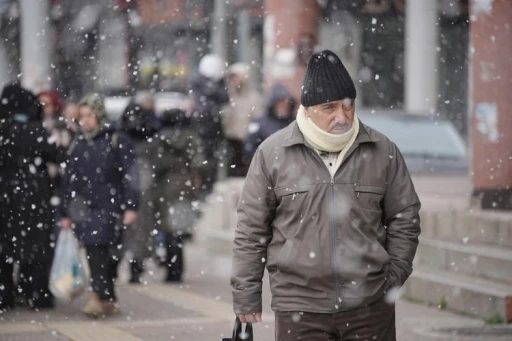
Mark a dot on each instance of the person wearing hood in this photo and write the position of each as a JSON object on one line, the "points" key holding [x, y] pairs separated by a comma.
{"points": [[141, 124], [209, 95], [278, 114], [245, 104], [25, 199], [178, 160], [100, 194]]}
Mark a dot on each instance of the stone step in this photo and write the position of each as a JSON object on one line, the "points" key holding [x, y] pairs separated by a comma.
{"points": [[468, 226], [491, 262], [465, 294]]}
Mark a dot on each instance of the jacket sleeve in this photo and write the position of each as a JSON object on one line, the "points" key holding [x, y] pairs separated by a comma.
{"points": [[401, 216], [128, 168], [253, 233]]}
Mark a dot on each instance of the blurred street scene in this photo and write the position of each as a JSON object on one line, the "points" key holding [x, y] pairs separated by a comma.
{"points": [[133, 123]]}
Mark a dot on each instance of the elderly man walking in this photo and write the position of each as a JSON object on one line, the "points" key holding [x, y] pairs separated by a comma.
{"points": [[329, 207]]}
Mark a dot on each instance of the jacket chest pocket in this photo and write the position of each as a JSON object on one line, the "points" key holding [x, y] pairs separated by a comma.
{"points": [[369, 196], [292, 197], [292, 209]]}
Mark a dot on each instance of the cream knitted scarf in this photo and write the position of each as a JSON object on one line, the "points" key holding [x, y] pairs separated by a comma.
{"points": [[324, 141]]}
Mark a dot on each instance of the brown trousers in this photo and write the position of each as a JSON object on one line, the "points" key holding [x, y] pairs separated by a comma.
{"points": [[375, 322]]}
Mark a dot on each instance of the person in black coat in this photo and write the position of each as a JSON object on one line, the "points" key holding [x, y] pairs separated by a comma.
{"points": [[209, 93], [278, 114], [141, 124], [100, 195], [25, 199]]}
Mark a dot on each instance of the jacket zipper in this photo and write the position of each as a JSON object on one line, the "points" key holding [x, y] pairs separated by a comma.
{"points": [[334, 236]]}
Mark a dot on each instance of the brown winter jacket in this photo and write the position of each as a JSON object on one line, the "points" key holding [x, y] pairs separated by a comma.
{"points": [[329, 243]]}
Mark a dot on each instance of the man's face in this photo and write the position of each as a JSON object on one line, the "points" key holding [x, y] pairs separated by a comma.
{"points": [[88, 120], [333, 117]]}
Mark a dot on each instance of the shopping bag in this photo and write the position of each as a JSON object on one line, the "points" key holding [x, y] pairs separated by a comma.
{"points": [[68, 275], [238, 334]]}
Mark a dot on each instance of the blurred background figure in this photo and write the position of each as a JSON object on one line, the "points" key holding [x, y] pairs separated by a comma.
{"points": [[26, 214], [71, 116], [56, 125], [178, 160], [209, 94], [245, 104], [141, 124], [278, 113], [52, 107], [100, 197]]}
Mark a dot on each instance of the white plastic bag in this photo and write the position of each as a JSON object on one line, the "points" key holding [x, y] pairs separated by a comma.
{"points": [[68, 276]]}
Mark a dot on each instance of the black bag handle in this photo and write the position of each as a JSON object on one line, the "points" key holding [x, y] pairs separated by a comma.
{"points": [[237, 332]]}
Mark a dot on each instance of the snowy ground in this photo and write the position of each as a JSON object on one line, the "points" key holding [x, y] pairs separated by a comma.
{"points": [[199, 309]]}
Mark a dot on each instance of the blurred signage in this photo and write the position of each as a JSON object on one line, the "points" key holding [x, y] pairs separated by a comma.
{"points": [[161, 11]]}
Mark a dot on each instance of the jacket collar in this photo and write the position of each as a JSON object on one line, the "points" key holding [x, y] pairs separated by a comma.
{"points": [[295, 136]]}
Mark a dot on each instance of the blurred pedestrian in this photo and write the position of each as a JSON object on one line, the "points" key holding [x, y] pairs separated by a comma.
{"points": [[209, 94], [56, 125], [52, 107], [330, 208], [277, 114], [100, 196], [25, 208], [71, 116], [178, 160], [141, 124], [245, 104]]}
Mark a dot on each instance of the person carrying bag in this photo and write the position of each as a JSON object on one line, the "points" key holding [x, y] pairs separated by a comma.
{"points": [[100, 188]]}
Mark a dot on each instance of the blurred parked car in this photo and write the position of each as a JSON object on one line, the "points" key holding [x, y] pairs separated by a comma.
{"points": [[116, 105], [429, 144], [172, 100]]}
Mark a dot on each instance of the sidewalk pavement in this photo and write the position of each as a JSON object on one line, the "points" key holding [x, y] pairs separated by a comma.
{"points": [[198, 309]]}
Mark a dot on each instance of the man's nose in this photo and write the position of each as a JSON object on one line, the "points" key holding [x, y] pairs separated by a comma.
{"points": [[340, 116]]}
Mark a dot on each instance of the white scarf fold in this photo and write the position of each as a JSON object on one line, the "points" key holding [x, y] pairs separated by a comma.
{"points": [[323, 141]]}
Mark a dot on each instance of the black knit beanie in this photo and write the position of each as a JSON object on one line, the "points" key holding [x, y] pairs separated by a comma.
{"points": [[326, 80]]}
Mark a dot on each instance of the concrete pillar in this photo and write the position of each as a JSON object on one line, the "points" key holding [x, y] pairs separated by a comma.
{"points": [[36, 42], [491, 102], [421, 32], [244, 36], [219, 29], [287, 24], [6, 76]]}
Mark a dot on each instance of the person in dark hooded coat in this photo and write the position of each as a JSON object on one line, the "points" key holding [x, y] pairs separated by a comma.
{"points": [[100, 190], [178, 160], [25, 199], [278, 114], [141, 124]]}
